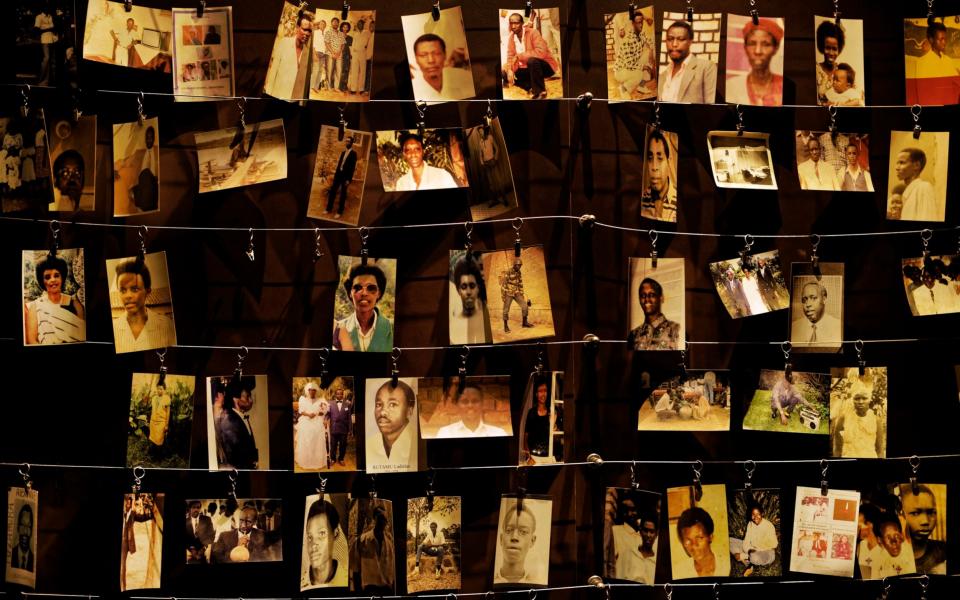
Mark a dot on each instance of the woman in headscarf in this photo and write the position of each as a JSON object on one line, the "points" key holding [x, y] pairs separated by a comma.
{"points": [[760, 86]]}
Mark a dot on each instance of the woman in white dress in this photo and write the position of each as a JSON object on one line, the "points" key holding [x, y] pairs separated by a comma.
{"points": [[310, 449], [752, 291]]}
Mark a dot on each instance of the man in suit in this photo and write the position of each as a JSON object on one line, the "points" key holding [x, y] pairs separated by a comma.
{"points": [[767, 283], [230, 546], [686, 77], [199, 527], [342, 177], [236, 430], [22, 554], [738, 299], [339, 415]]}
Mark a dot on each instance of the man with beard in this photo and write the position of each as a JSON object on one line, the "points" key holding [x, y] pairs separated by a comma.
{"points": [[814, 327], [243, 544], [518, 533], [469, 323], [920, 513], [321, 532], [22, 553], [659, 199], [471, 424], [686, 77], [420, 175], [856, 433], [657, 332], [68, 175], [759, 544], [634, 545], [394, 412]]}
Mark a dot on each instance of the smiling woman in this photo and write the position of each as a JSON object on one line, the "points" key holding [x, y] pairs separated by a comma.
{"points": [[366, 328], [52, 295]]}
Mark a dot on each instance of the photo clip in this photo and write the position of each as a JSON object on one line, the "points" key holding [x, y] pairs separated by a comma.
{"points": [[824, 487], [632, 10], [127, 5], [345, 11], [435, 11], [364, 253], [915, 111], [77, 111], [322, 490], [521, 488], [786, 347], [747, 245], [25, 96], [488, 117], [697, 467], [162, 380], [241, 356], [814, 258], [914, 467], [517, 225], [634, 483], [690, 11], [431, 479], [930, 11], [754, 13], [716, 591], [538, 368], [200, 8], [317, 251], [142, 252], [342, 127], [138, 474], [656, 116], [528, 9], [925, 236], [242, 108], [683, 363], [54, 237], [25, 473], [395, 371], [749, 467], [668, 590], [739, 110], [421, 107], [836, 12], [467, 242], [924, 583], [861, 364], [232, 477], [653, 248], [324, 355], [251, 254], [373, 487], [832, 111], [141, 117], [462, 370]]}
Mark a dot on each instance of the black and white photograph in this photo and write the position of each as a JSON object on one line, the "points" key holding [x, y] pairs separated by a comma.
{"points": [[241, 156], [203, 54], [22, 529], [917, 176], [234, 530], [25, 176], [141, 303], [339, 175], [541, 422], [696, 401], [519, 280], [741, 160], [522, 557], [390, 425], [341, 65], [467, 291], [478, 406], [365, 304], [841, 78], [432, 548], [755, 539], [325, 558], [492, 192], [659, 198], [833, 162], [657, 305], [631, 52], [530, 54], [136, 167], [698, 530], [73, 156], [141, 542], [752, 285], [238, 428], [816, 307], [324, 437], [631, 534], [438, 56], [858, 412], [53, 297], [932, 285], [139, 38], [410, 162], [161, 420], [373, 541]]}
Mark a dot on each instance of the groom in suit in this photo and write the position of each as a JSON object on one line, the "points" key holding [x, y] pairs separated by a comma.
{"points": [[236, 429], [346, 164], [339, 415], [686, 78], [246, 536], [199, 526]]}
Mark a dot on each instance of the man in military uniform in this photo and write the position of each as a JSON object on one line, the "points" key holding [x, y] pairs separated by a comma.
{"points": [[511, 289], [657, 332]]}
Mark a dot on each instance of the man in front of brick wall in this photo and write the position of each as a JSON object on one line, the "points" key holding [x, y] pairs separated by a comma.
{"points": [[686, 77]]}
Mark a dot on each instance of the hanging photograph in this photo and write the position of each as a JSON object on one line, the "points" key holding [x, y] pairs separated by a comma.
{"points": [[290, 68], [363, 309], [932, 285], [53, 297], [410, 162], [232, 530], [659, 199], [631, 532], [73, 154], [141, 303], [541, 421], [202, 53], [323, 432], [237, 157], [433, 544], [44, 36], [141, 543], [753, 285], [390, 425], [657, 307], [22, 536], [790, 403], [754, 70], [140, 38], [918, 176], [25, 177], [816, 307], [686, 76], [341, 64], [741, 161], [824, 532], [238, 428], [833, 162], [530, 54], [437, 55], [841, 78], [522, 557], [520, 280], [492, 192], [477, 407], [696, 401], [754, 518], [858, 412], [136, 168], [325, 555], [930, 50], [161, 420], [467, 291], [699, 539], [924, 515], [374, 540], [631, 52], [339, 175]]}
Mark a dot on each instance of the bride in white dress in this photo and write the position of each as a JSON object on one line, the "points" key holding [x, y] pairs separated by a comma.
{"points": [[752, 291], [310, 451]]}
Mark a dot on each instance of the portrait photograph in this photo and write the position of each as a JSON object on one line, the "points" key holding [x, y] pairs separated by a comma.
{"points": [[136, 167], [657, 304], [541, 421], [841, 78], [42, 35], [932, 285], [200, 44], [467, 293], [363, 309], [438, 56], [522, 557], [141, 303], [375, 545], [492, 192], [754, 285], [824, 532], [790, 403], [339, 175], [930, 54], [833, 163], [141, 541], [25, 176], [923, 513], [858, 412], [238, 427], [409, 162], [741, 161], [390, 425], [687, 76], [697, 401], [289, 72], [631, 534], [530, 54], [53, 297], [73, 156], [918, 176], [477, 407], [22, 528], [161, 420], [341, 64], [520, 280], [235, 157], [698, 531], [631, 49], [139, 39], [433, 548], [754, 521], [659, 199], [232, 530], [324, 437], [754, 69], [325, 554], [816, 307]]}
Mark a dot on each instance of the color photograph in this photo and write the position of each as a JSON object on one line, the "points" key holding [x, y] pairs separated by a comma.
{"points": [[754, 520], [136, 168], [931, 51], [410, 162], [790, 403], [140, 38], [290, 68], [203, 54], [741, 161], [697, 401], [833, 162], [339, 175], [233, 530], [363, 309], [341, 67], [687, 76], [235, 157], [73, 154], [841, 78], [824, 532], [753, 285], [541, 422], [492, 191], [324, 438], [161, 420], [520, 280], [141, 543], [698, 531], [522, 557], [467, 293], [631, 534], [530, 54], [438, 56], [141, 303], [238, 428], [477, 407], [858, 412], [53, 297], [325, 555], [390, 425], [25, 177], [754, 70], [932, 285], [816, 307], [631, 50], [659, 198], [918, 176], [657, 304], [432, 545]]}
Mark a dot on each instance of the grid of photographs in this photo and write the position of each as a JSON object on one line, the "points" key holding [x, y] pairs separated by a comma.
{"points": [[233, 530], [522, 558], [432, 558], [203, 53], [241, 156], [697, 401], [816, 308], [530, 54], [790, 402], [363, 310], [410, 162], [141, 303], [698, 531], [755, 51], [25, 177], [932, 285], [752, 285], [438, 56], [53, 297], [858, 412], [339, 175], [477, 406], [73, 156], [325, 558], [824, 531], [541, 422], [136, 167], [161, 420], [139, 38], [521, 280], [391, 425], [841, 78], [631, 52], [141, 541], [918, 176], [631, 534], [741, 160], [238, 428]]}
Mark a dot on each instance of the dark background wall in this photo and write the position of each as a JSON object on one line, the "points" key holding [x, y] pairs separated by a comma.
{"points": [[69, 405]]}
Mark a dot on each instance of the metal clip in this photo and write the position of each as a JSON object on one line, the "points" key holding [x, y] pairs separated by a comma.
{"points": [[697, 467], [250, 251], [77, 112], [915, 111], [25, 473], [668, 590], [683, 363], [142, 234], [317, 251], [814, 259], [232, 476], [435, 11], [241, 356], [141, 117], [832, 111], [324, 355], [200, 8], [242, 107], [690, 11], [914, 467], [739, 120], [632, 10], [467, 242], [528, 9], [342, 127], [824, 487], [431, 478], [656, 116], [138, 474], [885, 590], [754, 13], [861, 364], [633, 476], [597, 581], [747, 245], [128, 5], [345, 11], [836, 12], [517, 225], [924, 583], [364, 254], [653, 247], [584, 101], [930, 11], [54, 237], [595, 459], [538, 368], [488, 117], [162, 354], [786, 347], [395, 371], [925, 236], [373, 487], [749, 467], [25, 95], [421, 110], [521, 488], [464, 354], [323, 486]]}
